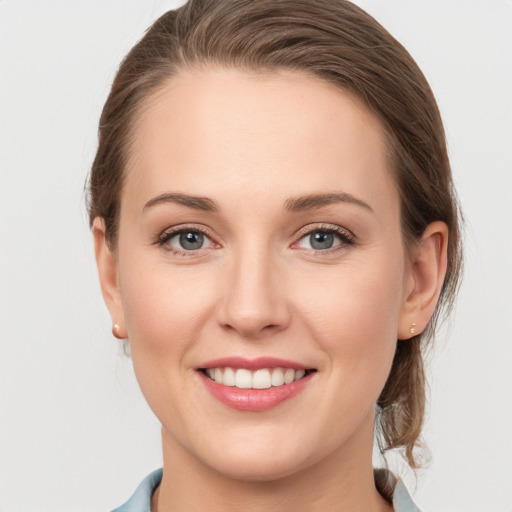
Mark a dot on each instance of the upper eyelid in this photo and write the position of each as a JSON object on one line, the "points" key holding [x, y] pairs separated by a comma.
{"points": [[180, 228], [333, 228]]}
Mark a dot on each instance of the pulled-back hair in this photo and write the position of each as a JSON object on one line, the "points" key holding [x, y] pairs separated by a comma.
{"points": [[339, 43]]}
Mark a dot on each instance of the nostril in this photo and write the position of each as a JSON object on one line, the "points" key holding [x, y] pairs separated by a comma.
{"points": [[252, 329]]}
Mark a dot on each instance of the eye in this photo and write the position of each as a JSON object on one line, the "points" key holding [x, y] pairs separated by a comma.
{"points": [[320, 240], [185, 240], [325, 238]]}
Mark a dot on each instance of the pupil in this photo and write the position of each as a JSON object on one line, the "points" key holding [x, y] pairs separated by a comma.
{"points": [[191, 240], [321, 240]]}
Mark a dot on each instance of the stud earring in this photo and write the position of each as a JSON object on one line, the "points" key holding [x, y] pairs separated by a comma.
{"points": [[115, 331], [412, 330]]}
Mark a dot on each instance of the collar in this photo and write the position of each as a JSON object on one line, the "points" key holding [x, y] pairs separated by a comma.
{"points": [[388, 485]]}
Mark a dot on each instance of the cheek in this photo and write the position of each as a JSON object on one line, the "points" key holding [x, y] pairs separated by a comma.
{"points": [[166, 311], [165, 306], [353, 313]]}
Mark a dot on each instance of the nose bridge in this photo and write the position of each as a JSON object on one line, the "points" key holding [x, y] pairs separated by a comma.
{"points": [[254, 299]]}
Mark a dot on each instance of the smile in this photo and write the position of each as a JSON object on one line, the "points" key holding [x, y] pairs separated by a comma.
{"points": [[254, 385], [263, 378]]}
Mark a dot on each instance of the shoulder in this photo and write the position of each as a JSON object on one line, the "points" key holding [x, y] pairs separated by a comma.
{"points": [[141, 498]]}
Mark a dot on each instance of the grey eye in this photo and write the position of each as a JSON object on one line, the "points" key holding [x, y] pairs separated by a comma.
{"points": [[323, 239], [190, 240], [186, 241], [319, 240]]}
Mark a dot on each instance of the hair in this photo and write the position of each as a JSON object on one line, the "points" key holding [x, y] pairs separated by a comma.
{"points": [[339, 43]]}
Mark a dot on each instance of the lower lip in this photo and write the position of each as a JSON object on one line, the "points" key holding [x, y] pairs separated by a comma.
{"points": [[254, 399]]}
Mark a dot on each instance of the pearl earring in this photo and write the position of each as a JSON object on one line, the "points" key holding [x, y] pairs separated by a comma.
{"points": [[412, 330], [115, 331]]}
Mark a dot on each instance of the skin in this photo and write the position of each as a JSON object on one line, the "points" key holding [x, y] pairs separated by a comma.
{"points": [[251, 143]]}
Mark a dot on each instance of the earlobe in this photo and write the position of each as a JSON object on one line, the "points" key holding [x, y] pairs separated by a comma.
{"points": [[106, 263], [427, 272]]}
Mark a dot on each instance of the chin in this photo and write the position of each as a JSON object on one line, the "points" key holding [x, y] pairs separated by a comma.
{"points": [[257, 459], [258, 469]]}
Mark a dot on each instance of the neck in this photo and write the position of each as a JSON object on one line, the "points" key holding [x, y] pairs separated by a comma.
{"points": [[342, 481]]}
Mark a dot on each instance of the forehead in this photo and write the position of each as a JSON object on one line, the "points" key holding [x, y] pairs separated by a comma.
{"points": [[223, 131]]}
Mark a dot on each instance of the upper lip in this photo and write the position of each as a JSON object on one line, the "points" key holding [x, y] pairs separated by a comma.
{"points": [[252, 364]]}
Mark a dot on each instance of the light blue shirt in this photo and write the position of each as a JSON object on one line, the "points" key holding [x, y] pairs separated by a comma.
{"points": [[141, 499]]}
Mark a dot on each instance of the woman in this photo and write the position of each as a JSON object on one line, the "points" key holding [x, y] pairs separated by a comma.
{"points": [[276, 233]]}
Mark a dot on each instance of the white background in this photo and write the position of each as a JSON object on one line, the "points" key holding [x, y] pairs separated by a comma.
{"points": [[75, 433]]}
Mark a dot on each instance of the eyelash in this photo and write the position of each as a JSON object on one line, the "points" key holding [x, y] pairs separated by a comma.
{"points": [[345, 237], [172, 232]]}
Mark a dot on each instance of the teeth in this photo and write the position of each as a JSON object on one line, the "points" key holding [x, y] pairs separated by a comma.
{"points": [[299, 374], [289, 376], [229, 377], [277, 377], [243, 379], [260, 379]]}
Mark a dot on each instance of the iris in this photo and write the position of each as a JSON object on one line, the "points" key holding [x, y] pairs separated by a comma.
{"points": [[191, 240], [321, 240]]}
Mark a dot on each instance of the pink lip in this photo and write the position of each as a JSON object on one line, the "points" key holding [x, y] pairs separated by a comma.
{"points": [[252, 364], [253, 399]]}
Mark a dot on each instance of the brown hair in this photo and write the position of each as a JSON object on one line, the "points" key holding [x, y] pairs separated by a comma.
{"points": [[341, 44]]}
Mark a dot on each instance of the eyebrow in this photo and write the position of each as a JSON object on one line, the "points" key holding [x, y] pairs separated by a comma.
{"points": [[312, 201], [196, 202], [293, 204]]}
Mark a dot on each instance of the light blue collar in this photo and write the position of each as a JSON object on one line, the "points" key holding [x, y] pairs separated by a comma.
{"points": [[141, 499], [402, 501]]}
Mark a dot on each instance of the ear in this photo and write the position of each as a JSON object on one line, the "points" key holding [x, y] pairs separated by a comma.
{"points": [[426, 272], [107, 271]]}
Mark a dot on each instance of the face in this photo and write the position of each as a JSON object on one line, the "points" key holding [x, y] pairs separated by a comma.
{"points": [[261, 272]]}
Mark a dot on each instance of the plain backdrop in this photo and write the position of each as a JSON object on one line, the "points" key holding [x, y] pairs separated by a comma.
{"points": [[75, 432]]}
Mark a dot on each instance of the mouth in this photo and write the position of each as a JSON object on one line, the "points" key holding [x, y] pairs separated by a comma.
{"points": [[262, 378], [254, 385]]}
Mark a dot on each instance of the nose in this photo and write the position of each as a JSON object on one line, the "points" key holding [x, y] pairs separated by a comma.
{"points": [[254, 301]]}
